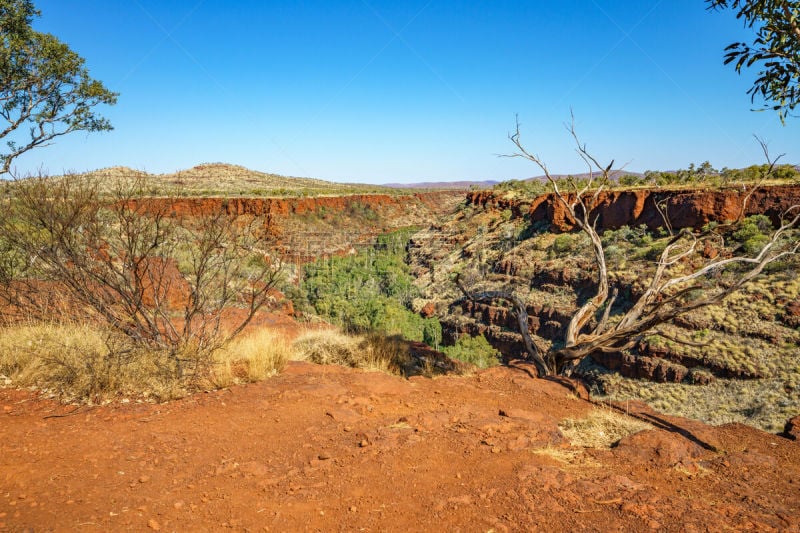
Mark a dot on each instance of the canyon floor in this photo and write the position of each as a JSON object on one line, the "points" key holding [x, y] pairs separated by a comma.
{"points": [[333, 449]]}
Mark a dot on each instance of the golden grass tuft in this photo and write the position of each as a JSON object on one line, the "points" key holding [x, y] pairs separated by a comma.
{"points": [[77, 362], [371, 352], [567, 457], [251, 358], [601, 428]]}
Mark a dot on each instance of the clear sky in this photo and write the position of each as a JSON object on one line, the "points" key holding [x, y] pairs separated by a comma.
{"points": [[401, 91]]}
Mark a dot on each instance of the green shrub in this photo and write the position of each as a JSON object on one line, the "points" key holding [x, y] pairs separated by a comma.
{"points": [[753, 233], [473, 350], [562, 244], [367, 292], [432, 332]]}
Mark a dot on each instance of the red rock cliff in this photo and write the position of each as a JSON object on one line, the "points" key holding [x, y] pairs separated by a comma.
{"points": [[685, 208]]}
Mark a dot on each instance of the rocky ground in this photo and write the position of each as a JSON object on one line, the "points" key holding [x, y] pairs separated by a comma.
{"points": [[333, 449]]}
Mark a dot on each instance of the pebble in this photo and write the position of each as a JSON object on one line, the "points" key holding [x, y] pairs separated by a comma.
{"points": [[154, 525]]}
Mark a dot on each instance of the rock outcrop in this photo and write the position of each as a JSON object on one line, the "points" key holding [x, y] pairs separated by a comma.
{"points": [[792, 430], [305, 228], [439, 202], [686, 209]]}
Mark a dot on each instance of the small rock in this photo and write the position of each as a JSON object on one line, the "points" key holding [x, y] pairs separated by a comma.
{"points": [[353, 509], [323, 456], [154, 525], [364, 443], [792, 429], [144, 479]]}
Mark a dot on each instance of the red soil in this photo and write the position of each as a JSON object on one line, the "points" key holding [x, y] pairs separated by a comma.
{"points": [[328, 448]]}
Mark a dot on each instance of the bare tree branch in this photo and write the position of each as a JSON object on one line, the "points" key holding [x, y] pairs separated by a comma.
{"points": [[677, 285]]}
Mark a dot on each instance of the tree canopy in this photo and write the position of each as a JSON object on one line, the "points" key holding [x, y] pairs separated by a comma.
{"points": [[45, 87], [776, 49]]}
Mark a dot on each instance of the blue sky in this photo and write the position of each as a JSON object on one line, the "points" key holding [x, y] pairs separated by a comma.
{"points": [[401, 91]]}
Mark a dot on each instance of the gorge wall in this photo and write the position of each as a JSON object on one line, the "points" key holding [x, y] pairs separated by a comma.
{"points": [[452, 245], [305, 228], [684, 208]]}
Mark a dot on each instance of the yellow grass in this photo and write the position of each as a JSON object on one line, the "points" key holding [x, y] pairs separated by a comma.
{"points": [[79, 362], [568, 457], [255, 357], [601, 428], [332, 347]]}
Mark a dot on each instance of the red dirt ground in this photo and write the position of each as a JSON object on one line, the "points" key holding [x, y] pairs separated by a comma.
{"points": [[333, 449]]}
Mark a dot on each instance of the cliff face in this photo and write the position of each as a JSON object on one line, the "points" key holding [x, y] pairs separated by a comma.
{"points": [[308, 227], [685, 209], [435, 202]]}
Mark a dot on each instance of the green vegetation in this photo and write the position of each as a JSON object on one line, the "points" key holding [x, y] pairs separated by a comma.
{"points": [[776, 48], [473, 350], [705, 174], [46, 90], [743, 364], [695, 175], [753, 233], [367, 292]]}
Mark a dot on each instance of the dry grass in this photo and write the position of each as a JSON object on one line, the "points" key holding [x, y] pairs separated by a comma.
{"points": [[332, 347], [567, 456], [76, 362], [601, 428], [255, 357]]}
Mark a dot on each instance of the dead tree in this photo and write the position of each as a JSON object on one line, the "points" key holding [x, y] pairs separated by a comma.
{"points": [[677, 285]]}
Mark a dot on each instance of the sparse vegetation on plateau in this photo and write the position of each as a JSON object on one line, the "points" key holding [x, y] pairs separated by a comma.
{"points": [[221, 179]]}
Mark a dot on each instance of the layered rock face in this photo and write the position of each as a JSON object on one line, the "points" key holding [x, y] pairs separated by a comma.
{"points": [[685, 209], [438, 202], [305, 228]]}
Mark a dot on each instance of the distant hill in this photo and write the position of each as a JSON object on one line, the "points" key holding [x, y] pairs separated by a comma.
{"points": [[443, 185], [221, 179], [615, 175]]}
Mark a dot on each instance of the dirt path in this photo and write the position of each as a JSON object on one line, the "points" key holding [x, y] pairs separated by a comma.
{"points": [[332, 449]]}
